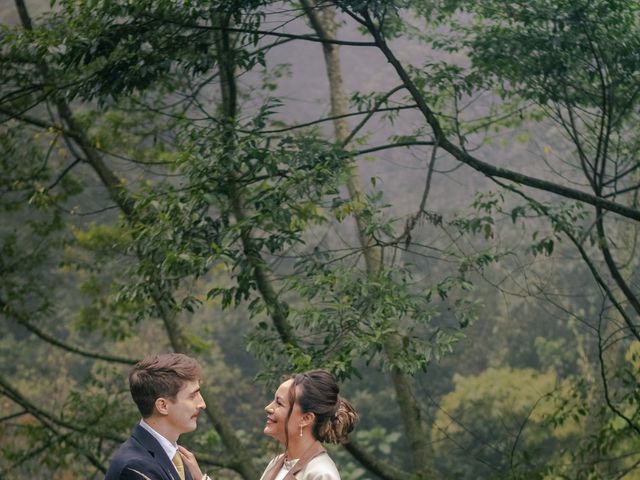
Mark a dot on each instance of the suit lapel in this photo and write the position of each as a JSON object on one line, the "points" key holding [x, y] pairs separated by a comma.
{"points": [[156, 451]]}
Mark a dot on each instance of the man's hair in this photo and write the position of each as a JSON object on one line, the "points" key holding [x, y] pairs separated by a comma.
{"points": [[160, 376]]}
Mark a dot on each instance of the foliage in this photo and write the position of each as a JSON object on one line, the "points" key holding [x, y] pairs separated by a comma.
{"points": [[162, 188], [500, 418]]}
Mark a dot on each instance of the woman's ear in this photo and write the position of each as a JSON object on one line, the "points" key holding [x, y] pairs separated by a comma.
{"points": [[308, 419]]}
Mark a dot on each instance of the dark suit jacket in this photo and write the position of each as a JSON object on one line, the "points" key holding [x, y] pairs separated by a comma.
{"points": [[142, 457]]}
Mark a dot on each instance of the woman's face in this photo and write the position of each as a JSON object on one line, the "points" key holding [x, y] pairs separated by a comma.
{"points": [[277, 412]]}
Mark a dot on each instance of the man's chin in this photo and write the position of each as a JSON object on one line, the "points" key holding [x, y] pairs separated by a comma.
{"points": [[192, 426]]}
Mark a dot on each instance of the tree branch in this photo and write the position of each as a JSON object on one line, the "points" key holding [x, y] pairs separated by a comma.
{"points": [[592, 268], [635, 427], [50, 422], [270, 33], [479, 165], [388, 146], [22, 320], [375, 108], [603, 243]]}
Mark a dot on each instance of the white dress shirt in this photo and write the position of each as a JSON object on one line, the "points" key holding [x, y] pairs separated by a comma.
{"points": [[169, 448]]}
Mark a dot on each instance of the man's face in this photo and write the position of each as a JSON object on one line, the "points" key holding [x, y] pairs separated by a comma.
{"points": [[183, 411]]}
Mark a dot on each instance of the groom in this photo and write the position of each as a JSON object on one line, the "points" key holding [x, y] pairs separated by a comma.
{"points": [[166, 389]]}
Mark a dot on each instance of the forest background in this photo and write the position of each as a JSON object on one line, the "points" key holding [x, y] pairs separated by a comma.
{"points": [[436, 200]]}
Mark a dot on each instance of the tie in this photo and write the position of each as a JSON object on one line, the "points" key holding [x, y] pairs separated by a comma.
{"points": [[177, 461]]}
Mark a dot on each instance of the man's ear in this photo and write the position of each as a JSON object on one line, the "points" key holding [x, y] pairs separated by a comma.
{"points": [[162, 406]]}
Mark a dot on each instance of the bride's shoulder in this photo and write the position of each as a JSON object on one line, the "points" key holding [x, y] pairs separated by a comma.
{"points": [[272, 463]]}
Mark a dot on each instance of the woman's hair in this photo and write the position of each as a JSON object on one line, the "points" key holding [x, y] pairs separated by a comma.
{"points": [[319, 394], [159, 376]]}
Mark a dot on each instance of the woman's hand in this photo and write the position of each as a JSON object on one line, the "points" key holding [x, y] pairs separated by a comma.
{"points": [[190, 461]]}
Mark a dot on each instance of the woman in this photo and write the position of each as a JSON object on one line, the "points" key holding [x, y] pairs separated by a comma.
{"points": [[306, 410]]}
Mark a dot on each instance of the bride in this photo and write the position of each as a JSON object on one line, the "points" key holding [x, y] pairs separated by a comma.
{"points": [[306, 411]]}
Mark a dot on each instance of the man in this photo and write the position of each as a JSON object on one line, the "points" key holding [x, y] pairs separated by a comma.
{"points": [[166, 389]]}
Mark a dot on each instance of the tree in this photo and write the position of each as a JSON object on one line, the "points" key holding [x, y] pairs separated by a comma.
{"points": [[170, 115]]}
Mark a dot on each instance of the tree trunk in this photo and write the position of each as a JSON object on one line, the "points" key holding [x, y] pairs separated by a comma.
{"points": [[323, 22], [241, 460]]}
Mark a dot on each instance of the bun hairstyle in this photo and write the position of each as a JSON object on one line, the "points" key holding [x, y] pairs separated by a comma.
{"points": [[319, 394]]}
